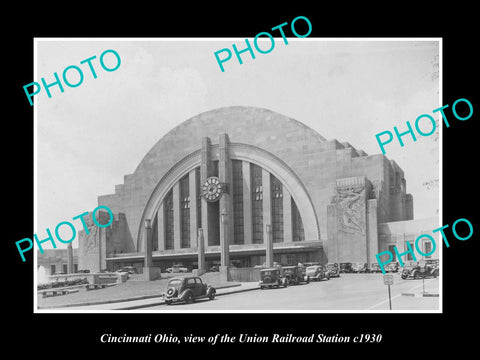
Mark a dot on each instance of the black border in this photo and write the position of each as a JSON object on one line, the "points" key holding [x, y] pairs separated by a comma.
{"points": [[456, 25]]}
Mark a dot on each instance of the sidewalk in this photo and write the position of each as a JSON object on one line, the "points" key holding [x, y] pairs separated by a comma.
{"points": [[127, 297], [424, 290]]}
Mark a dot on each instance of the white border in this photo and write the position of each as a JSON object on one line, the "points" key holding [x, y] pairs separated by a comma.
{"points": [[35, 188]]}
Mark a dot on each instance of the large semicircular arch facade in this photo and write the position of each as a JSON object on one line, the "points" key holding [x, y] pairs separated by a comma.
{"points": [[245, 152]]}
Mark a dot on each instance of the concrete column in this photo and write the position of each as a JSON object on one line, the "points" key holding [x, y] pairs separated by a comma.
{"points": [[161, 227], [230, 209], [201, 252], [150, 272], [205, 172], [70, 268], [268, 246], [247, 203], [225, 206], [267, 201], [177, 244], [148, 243], [224, 175], [193, 191], [287, 215]]}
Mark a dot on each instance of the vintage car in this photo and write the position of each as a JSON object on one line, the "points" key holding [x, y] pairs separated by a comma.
{"points": [[333, 270], [435, 263], [346, 267], [188, 289], [360, 267], [295, 275], [177, 269], [418, 270], [317, 272], [214, 268], [272, 277], [391, 267], [375, 268], [128, 269]]}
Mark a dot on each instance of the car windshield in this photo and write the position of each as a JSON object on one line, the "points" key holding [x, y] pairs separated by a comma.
{"points": [[331, 266], [268, 272], [312, 268]]}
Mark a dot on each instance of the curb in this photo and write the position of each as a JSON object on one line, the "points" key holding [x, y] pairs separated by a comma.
{"points": [[143, 297], [421, 294], [163, 302]]}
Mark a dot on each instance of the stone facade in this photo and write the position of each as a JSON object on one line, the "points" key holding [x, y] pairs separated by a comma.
{"points": [[324, 198], [400, 232], [56, 261]]}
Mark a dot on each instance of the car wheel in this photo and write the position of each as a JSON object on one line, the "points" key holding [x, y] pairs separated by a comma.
{"points": [[168, 302], [190, 298], [267, 280], [211, 296]]}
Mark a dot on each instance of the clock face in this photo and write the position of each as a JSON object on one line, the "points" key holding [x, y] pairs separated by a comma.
{"points": [[212, 189]]}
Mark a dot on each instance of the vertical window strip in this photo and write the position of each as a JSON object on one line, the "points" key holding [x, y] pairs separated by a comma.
{"points": [[185, 211], [257, 203]]}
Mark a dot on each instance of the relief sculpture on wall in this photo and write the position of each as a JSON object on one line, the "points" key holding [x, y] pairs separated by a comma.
{"points": [[350, 203], [89, 242]]}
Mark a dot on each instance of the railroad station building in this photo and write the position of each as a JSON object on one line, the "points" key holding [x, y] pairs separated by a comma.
{"points": [[242, 174]]}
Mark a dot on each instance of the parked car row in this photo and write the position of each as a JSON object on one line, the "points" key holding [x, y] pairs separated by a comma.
{"points": [[191, 288], [420, 269], [283, 276], [361, 267], [410, 270]]}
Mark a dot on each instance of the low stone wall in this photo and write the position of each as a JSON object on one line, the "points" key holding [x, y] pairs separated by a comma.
{"points": [[244, 274], [93, 278]]}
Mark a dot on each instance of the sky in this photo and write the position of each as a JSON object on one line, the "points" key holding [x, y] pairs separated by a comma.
{"points": [[90, 136]]}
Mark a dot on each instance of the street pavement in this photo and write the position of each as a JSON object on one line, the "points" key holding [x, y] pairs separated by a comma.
{"points": [[350, 292]]}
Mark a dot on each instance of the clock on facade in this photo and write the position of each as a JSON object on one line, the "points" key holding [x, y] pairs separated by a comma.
{"points": [[213, 189]]}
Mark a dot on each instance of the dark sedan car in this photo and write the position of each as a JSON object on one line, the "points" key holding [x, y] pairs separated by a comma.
{"points": [[333, 270], [317, 272], [346, 267], [188, 289]]}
